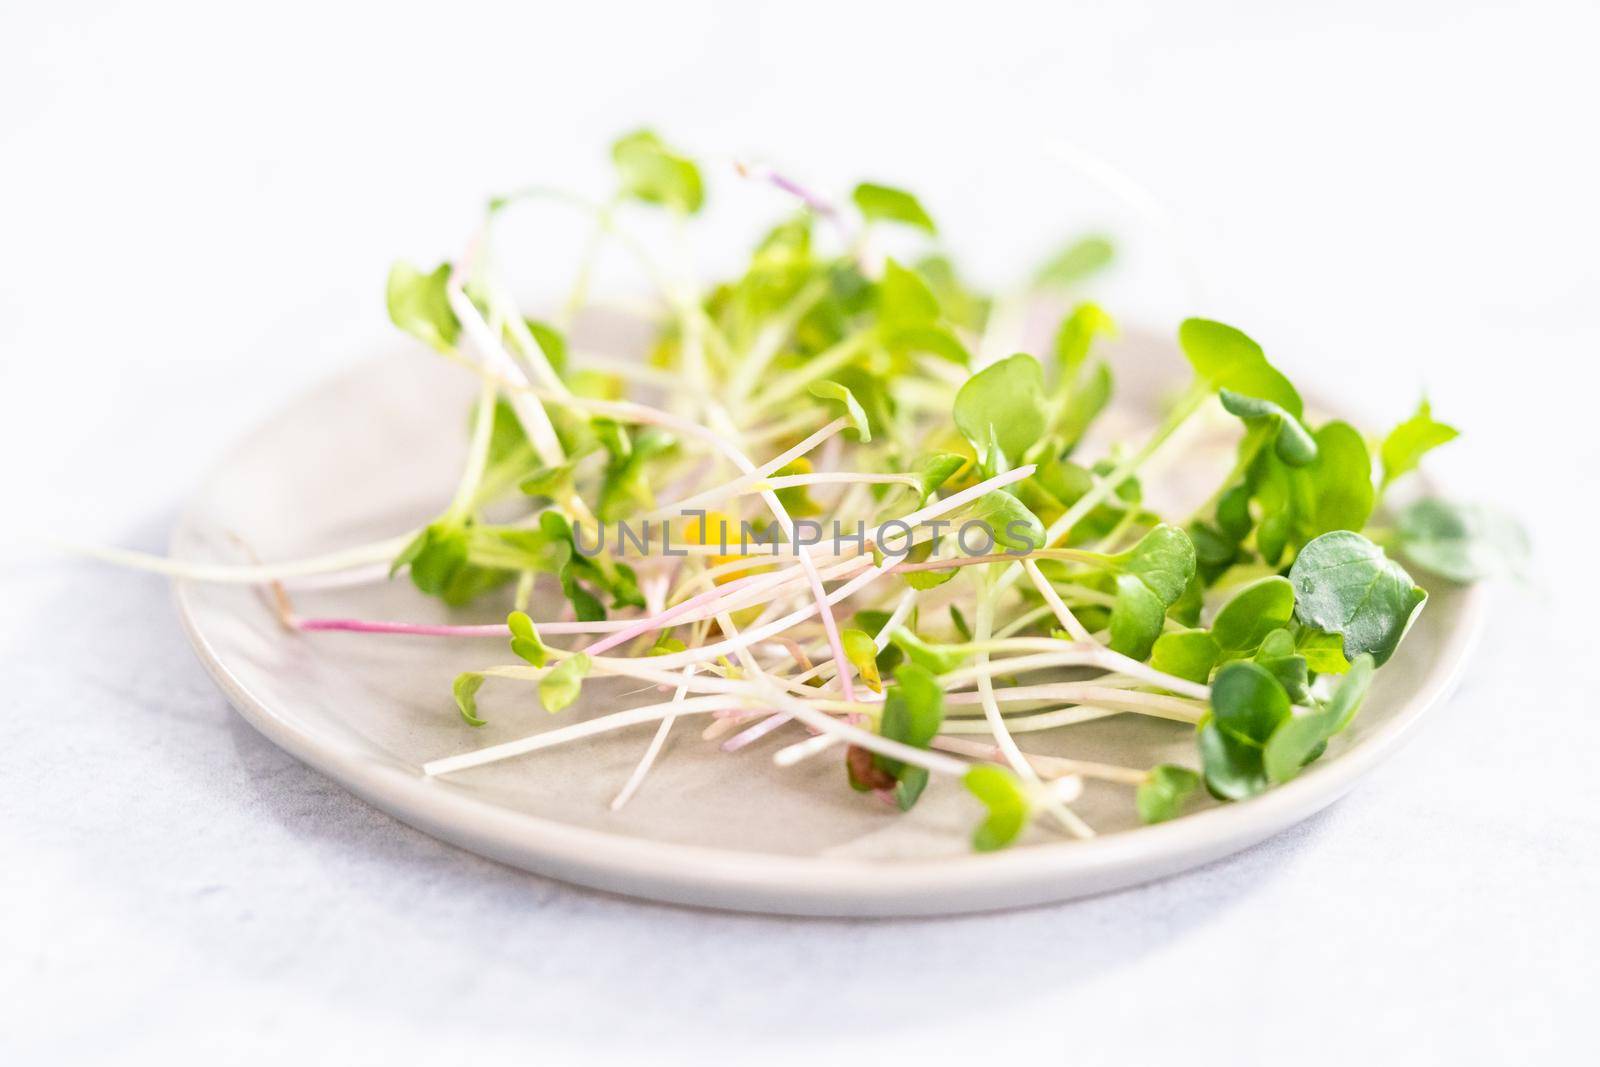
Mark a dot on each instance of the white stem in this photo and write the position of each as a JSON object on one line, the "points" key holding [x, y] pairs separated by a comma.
{"points": [[1047, 766], [1063, 614], [753, 478], [577, 731], [241, 574], [535, 421], [636, 779]]}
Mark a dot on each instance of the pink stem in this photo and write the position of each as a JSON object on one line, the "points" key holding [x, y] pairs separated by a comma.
{"points": [[657, 622], [756, 732], [367, 626]]}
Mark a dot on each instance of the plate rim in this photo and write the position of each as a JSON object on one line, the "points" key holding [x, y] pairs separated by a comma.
{"points": [[773, 883]]}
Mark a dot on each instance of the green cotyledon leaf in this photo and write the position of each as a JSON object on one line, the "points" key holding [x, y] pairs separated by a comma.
{"points": [[465, 690], [936, 470], [885, 203], [525, 641], [913, 712], [1008, 806], [1344, 584], [625, 483], [1298, 504], [651, 172], [1084, 403], [1163, 559], [1323, 652], [1408, 442], [1187, 654], [1247, 705], [862, 653], [559, 688], [927, 579], [1003, 403], [1077, 261], [933, 658], [1005, 520], [905, 300], [1228, 359], [828, 390], [1279, 656], [961, 305], [441, 564], [1253, 612], [1294, 443], [418, 304], [1150, 577], [1077, 333], [1136, 617], [1463, 542], [1301, 738], [1161, 795]]}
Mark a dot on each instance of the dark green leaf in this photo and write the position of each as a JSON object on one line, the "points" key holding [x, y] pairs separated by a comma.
{"points": [[913, 712], [1279, 656], [1151, 576], [1344, 584], [1294, 443], [959, 621], [1247, 705], [1300, 739], [1256, 610], [1136, 617]]}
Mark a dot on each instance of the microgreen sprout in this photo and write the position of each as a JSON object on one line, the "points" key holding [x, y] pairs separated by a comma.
{"points": [[838, 481]]}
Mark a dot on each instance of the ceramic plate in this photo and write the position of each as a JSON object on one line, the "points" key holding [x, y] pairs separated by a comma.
{"points": [[376, 453]]}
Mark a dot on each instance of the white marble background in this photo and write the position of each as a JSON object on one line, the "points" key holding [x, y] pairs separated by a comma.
{"points": [[197, 208]]}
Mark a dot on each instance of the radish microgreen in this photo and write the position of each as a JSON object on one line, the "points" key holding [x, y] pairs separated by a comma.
{"points": [[826, 386]]}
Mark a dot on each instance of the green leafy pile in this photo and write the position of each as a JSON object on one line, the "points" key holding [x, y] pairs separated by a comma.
{"points": [[1256, 620]]}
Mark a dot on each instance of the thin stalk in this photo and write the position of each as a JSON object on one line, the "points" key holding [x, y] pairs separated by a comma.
{"points": [[819, 366], [636, 779], [577, 731], [1046, 766], [243, 574]]}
